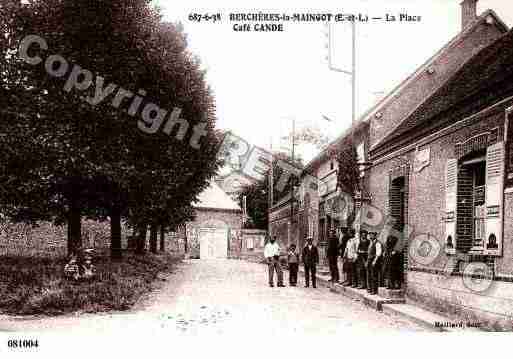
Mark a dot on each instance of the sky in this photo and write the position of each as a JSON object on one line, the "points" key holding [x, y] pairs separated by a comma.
{"points": [[263, 81]]}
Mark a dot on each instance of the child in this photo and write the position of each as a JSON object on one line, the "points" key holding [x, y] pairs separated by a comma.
{"points": [[293, 260]]}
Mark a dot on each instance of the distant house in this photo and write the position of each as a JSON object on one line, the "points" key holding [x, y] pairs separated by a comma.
{"points": [[216, 230]]}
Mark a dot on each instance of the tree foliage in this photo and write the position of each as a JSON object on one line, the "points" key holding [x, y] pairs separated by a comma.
{"points": [[63, 156], [349, 180], [309, 135], [348, 175], [257, 194]]}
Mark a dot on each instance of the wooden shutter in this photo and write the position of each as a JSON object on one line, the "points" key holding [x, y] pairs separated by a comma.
{"points": [[451, 187], [494, 195]]}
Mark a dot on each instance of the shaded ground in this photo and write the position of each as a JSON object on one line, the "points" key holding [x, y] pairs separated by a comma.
{"points": [[225, 297], [35, 285]]}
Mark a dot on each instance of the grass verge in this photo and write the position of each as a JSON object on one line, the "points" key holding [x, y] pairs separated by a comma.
{"points": [[32, 285]]}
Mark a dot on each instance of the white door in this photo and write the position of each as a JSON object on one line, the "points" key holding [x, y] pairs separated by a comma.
{"points": [[213, 243]]}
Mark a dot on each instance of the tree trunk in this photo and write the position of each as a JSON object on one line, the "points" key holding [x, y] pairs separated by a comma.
{"points": [[74, 229], [132, 239], [141, 239], [162, 239], [115, 232], [153, 238]]}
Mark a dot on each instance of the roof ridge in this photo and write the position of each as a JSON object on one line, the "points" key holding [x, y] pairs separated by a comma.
{"points": [[213, 195], [455, 40], [445, 91], [366, 116]]}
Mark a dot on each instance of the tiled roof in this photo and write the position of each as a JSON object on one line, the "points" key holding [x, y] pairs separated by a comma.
{"points": [[215, 198], [451, 45], [489, 66], [393, 95]]}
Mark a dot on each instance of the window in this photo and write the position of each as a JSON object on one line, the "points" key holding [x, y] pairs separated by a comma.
{"points": [[321, 230], [474, 190], [471, 204], [250, 243]]}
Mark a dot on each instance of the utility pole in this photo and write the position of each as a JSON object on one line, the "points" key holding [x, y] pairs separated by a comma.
{"points": [[351, 73], [293, 178], [271, 190]]}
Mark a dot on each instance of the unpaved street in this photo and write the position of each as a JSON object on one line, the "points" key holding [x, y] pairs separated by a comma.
{"points": [[225, 297]]}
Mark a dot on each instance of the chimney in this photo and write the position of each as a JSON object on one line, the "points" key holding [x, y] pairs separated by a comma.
{"points": [[468, 12]]}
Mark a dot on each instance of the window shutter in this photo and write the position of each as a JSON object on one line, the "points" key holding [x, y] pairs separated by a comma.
{"points": [[494, 198], [451, 186]]}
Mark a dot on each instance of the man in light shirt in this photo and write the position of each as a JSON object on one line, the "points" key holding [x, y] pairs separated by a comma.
{"points": [[272, 256], [350, 255]]}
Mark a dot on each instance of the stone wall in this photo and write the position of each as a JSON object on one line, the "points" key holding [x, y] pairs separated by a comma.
{"points": [[47, 239], [449, 295]]}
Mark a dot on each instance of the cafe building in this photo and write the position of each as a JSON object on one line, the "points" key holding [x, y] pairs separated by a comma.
{"points": [[443, 170]]}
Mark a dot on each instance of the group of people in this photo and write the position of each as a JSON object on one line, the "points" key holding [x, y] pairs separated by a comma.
{"points": [[309, 256], [367, 263]]}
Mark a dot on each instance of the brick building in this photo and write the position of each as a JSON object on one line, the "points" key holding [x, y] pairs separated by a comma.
{"points": [[318, 204], [216, 232], [439, 169]]}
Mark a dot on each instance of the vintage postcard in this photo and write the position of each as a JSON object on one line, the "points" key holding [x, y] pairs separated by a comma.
{"points": [[263, 173]]}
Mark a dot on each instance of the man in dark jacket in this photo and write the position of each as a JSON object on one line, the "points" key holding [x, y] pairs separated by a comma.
{"points": [[310, 261], [344, 238], [332, 254], [363, 246], [374, 263]]}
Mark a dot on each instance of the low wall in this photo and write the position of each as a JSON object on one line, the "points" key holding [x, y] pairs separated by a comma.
{"points": [[449, 296], [47, 239]]}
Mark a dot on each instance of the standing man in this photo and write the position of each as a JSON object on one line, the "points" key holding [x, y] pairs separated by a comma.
{"points": [[310, 261], [272, 256], [293, 260], [363, 246], [332, 254], [396, 266], [387, 257], [350, 256], [344, 238], [374, 262]]}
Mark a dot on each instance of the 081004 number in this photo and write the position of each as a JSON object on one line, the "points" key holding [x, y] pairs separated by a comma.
{"points": [[22, 343]]}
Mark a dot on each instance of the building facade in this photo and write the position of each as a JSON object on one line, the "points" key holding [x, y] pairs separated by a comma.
{"points": [[216, 231], [440, 171]]}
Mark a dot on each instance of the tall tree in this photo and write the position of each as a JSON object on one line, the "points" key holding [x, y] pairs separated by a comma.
{"points": [[87, 145]]}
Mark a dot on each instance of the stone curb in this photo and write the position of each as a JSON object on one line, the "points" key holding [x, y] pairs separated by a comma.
{"points": [[394, 306]]}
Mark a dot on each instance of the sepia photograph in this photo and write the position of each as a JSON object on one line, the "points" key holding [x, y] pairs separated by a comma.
{"points": [[256, 178]]}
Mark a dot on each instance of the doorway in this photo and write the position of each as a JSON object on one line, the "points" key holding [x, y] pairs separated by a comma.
{"points": [[213, 243], [398, 197]]}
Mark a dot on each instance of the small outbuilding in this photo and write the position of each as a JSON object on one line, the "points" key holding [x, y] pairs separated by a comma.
{"points": [[216, 231]]}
